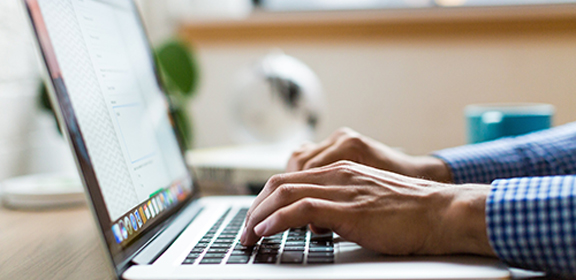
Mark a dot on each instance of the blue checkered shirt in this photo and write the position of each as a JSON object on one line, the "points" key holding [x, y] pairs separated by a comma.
{"points": [[531, 210]]}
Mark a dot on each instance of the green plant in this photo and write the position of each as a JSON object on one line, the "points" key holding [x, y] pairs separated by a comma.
{"points": [[179, 73]]}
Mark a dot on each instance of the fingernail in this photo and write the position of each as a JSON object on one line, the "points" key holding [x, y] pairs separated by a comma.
{"points": [[260, 229]]}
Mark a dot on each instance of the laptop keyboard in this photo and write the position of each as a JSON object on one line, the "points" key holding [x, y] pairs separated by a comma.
{"points": [[295, 246]]}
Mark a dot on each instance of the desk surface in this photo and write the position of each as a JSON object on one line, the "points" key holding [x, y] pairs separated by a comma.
{"points": [[55, 244]]}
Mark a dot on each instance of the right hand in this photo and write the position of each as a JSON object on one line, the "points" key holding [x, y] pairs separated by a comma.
{"points": [[379, 210], [347, 144]]}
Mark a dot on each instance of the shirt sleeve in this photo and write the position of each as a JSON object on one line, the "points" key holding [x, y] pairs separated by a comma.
{"points": [[531, 223], [544, 153], [531, 218]]}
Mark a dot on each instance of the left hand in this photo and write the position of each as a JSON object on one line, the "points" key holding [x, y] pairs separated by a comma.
{"points": [[386, 212]]}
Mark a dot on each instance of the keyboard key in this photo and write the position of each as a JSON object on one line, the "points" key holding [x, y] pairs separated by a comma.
{"points": [[189, 261], [294, 248], [210, 261], [267, 251], [295, 243], [270, 246], [193, 255], [217, 250], [227, 236], [242, 253], [242, 247], [221, 245], [267, 258], [320, 260], [320, 255], [214, 255], [272, 241], [321, 243], [197, 250], [292, 257], [201, 245], [238, 259], [321, 249], [296, 238]]}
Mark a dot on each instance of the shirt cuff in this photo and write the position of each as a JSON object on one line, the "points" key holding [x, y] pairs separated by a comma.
{"points": [[482, 163], [531, 223]]}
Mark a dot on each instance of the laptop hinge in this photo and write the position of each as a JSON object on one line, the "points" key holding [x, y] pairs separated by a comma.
{"points": [[157, 246]]}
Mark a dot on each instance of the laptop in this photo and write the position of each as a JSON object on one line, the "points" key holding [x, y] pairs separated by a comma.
{"points": [[153, 223]]}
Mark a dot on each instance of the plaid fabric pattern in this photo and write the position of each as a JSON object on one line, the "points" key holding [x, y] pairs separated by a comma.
{"points": [[532, 220], [532, 223], [544, 153]]}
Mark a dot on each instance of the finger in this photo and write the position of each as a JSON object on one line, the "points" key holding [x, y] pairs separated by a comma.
{"points": [[317, 212], [300, 157], [318, 230], [328, 156], [286, 195], [339, 174], [318, 176]]}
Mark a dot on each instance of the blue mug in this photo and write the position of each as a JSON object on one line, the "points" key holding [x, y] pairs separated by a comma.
{"points": [[486, 122]]}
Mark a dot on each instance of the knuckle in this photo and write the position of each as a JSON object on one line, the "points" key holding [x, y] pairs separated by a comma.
{"points": [[307, 206], [296, 154], [340, 163], [344, 169], [286, 191], [354, 142], [354, 193], [346, 172], [345, 131], [276, 181], [344, 165]]}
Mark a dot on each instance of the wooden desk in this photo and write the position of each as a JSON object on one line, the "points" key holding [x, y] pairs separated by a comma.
{"points": [[56, 244]]}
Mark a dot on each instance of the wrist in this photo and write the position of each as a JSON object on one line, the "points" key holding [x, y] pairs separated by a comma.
{"points": [[463, 223], [432, 168]]}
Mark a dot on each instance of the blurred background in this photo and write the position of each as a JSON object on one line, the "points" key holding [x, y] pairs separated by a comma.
{"points": [[400, 71]]}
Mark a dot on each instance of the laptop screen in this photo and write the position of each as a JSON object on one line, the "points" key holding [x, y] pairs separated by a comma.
{"points": [[115, 112]]}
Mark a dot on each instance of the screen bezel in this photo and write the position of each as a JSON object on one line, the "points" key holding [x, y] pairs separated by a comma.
{"points": [[119, 255]]}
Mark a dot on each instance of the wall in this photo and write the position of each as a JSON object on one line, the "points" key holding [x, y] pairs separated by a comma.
{"points": [[19, 82], [405, 88], [408, 93]]}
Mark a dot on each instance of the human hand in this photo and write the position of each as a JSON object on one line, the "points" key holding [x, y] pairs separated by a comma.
{"points": [[347, 144], [379, 210]]}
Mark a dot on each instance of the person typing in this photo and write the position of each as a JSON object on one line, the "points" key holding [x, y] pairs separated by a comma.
{"points": [[513, 198]]}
